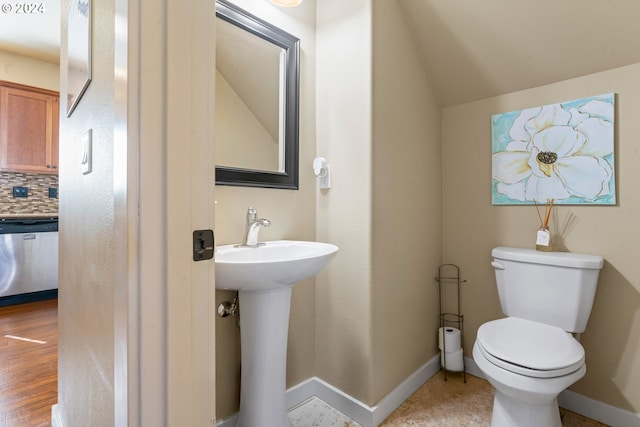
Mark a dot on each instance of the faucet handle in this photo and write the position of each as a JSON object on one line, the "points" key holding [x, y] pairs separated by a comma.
{"points": [[252, 214]]}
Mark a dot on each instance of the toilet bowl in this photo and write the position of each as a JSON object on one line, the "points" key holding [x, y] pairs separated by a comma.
{"points": [[530, 356], [529, 364]]}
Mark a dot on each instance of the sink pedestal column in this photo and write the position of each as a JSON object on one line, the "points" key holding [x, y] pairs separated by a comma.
{"points": [[264, 327]]}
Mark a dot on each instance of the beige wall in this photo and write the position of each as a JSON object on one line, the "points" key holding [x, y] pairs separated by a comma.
{"points": [[406, 208], [343, 291], [373, 303], [472, 226], [85, 367], [292, 215], [379, 127], [29, 71], [366, 322]]}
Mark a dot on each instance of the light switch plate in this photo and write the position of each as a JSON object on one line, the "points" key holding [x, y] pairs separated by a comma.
{"points": [[86, 152], [325, 180]]}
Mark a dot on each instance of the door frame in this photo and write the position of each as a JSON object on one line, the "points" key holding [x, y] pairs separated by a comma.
{"points": [[164, 365]]}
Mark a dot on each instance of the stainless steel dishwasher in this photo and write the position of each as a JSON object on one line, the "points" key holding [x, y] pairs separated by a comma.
{"points": [[28, 259]]}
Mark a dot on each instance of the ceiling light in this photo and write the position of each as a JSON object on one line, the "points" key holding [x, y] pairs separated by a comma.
{"points": [[286, 3]]}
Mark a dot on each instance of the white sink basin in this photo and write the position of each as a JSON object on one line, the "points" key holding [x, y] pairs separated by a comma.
{"points": [[278, 263]]}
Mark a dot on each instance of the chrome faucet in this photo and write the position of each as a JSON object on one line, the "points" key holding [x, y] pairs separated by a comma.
{"points": [[253, 228]]}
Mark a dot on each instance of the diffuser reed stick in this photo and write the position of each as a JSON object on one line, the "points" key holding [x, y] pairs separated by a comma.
{"points": [[538, 211], [548, 214]]}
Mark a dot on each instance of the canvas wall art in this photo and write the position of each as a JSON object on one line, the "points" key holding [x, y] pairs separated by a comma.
{"points": [[563, 152]]}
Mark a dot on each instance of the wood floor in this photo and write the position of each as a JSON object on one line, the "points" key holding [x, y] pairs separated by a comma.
{"points": [[28, 363]]}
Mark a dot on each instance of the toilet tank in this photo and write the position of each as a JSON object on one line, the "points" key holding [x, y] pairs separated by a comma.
{"points": [[556, 288]]}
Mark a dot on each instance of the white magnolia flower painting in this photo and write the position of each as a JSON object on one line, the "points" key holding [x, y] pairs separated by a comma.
{"points": [[562, 152]]}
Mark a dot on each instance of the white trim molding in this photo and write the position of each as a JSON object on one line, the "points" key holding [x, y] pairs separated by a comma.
{"points": [[56, 417], [365, 415], [597, 410], [372, 416]]}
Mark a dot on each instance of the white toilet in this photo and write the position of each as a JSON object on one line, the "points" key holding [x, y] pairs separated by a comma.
{"points": [[531, 356]]}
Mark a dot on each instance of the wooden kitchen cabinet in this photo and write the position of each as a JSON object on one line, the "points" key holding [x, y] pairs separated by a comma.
{"points": [[28, 129], [55, 133]]}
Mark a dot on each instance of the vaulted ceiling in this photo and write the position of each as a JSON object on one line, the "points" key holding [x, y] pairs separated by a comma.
{"points": [[471, 49], [475, 49]]}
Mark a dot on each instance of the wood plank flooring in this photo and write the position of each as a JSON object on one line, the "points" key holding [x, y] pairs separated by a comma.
{"points": [[28, 363]]}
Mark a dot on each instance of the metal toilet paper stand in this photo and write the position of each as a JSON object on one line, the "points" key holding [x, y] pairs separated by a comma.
{"points": [[449, 274]]}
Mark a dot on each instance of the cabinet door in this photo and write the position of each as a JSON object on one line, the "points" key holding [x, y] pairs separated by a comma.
{"points": [[26, 130]]}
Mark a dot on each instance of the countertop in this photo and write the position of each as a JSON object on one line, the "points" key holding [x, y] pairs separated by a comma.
{"points": [[28, 215]]}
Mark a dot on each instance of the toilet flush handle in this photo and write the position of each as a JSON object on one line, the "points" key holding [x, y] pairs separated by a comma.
{"points": [[497, 265]]}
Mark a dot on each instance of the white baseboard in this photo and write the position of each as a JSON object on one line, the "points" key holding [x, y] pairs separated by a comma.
{"points": [[597, 410], [372, 416], [227, 422], [398, 395], [472, 368], [365, 415], [336, 398], [56, 418]]}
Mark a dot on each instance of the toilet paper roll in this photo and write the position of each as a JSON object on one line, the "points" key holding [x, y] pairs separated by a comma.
{"points": [[449, 338], [454, 359]]}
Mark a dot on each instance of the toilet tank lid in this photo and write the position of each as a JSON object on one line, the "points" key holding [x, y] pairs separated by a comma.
{"points": [[563, 259]]}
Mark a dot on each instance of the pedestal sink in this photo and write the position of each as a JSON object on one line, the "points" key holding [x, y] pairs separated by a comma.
{"points": [[264, 277]]}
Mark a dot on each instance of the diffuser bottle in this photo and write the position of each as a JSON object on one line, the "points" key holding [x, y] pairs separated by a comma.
{"points": [[543, 239]]}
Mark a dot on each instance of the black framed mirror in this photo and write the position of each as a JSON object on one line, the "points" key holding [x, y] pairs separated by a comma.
{"points": [[257, 101]]}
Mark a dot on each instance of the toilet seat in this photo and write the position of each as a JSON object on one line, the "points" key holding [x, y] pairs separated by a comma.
{"points": [[529, 348]]}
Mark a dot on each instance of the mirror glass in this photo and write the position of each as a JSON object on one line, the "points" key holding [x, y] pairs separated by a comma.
{"points": [[256, 120]]}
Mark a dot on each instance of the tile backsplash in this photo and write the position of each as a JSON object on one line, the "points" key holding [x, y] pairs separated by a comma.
{"points": [[38, 201]]}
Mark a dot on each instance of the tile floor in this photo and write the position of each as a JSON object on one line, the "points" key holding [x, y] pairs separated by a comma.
{"points": [[316, 413], [436, 403]]}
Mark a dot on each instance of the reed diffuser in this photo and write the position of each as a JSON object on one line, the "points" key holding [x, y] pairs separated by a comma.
{"points": [[543, 238]]}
